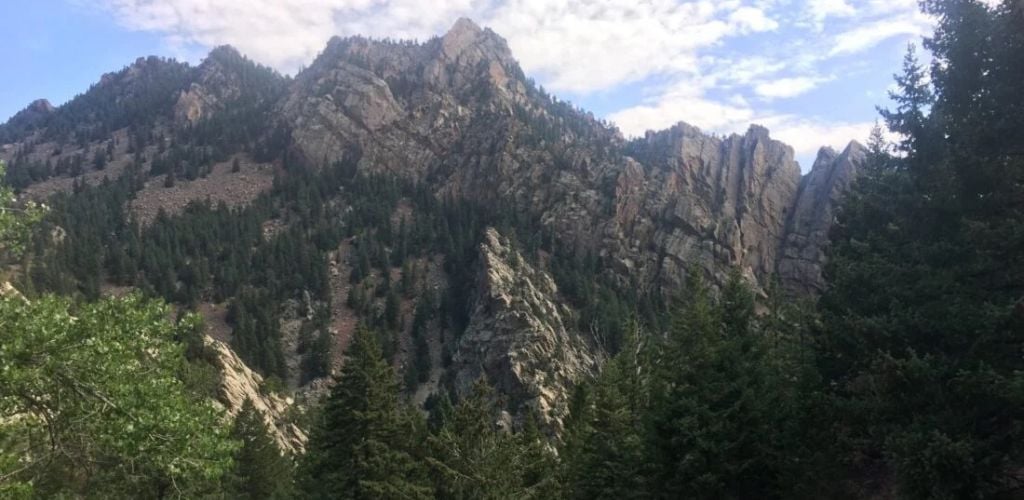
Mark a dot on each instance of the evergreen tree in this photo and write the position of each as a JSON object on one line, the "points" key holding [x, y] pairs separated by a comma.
{"points": [[363, 446], [715, 401], [603, 455], [472, 458], [921, 318], [260, 471]]}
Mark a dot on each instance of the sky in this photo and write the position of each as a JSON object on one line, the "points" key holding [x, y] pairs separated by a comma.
{"points": [[812, 71]]}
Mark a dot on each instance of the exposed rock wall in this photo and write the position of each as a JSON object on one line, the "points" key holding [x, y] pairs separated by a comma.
{"points": [[458, 115], [239, 383], [705, 201], [518, 336], [456, 112], [215, 87], [803, 254]]}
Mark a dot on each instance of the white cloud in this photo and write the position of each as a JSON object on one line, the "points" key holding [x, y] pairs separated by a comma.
{"points": [[677, 50], [807, 135], [576, 46], [820, 10], [752, 19], [684, 102], [868, 35], [283, 33], [788, 87], [586, 46]]}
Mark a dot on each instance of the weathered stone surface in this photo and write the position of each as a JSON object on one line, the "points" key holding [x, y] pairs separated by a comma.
{"points": [[518, 336], [803, 253], [704, 201], [239, 383], [214, 87], [457, 112]]}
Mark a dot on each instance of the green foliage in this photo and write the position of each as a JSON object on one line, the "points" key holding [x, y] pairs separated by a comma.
{"points": [[472, 458], [315, 343], [257, 336], [364, 444], [604, 452], [15, 221], [910, 386], [92, 406], [715, 410], [718, 400], [135, 96], [260, 471], [922, 323]]}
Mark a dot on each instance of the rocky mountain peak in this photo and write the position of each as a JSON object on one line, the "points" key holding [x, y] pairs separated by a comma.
{"points": [[826, 154], [224, 53], [220, 80], [464, 25], [40, 106], [469, 46], [464, 34], [456, 114], [33, 115], [803, 254], [758, 132], [519, 336]]}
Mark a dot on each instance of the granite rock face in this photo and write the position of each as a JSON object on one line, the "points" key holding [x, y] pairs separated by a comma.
{"points": [[705, 201], [457, 112], [239, 382], [217, 85], [518, 336], [803, 255]]}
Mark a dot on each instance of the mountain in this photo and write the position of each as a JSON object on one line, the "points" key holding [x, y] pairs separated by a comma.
{"points": [[543, 219]]}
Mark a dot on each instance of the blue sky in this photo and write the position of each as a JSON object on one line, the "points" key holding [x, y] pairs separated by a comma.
{"points": [[812, 71]]}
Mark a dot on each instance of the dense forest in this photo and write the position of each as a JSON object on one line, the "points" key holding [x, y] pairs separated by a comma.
{"points": [[903, 380]]}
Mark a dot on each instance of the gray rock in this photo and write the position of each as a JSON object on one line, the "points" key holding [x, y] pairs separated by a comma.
{"points": [[803, 255], [519, 338]]}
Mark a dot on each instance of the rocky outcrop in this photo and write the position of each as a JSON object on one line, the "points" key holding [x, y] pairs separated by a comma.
{"points": [[219, 83], [239, 383], [404, 105], [456, 111], [803, 254], [705, 201], [518, 336], [33, 116]]}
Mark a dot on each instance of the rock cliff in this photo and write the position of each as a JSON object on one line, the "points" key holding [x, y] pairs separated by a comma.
{"points": [[239, 383], [803, 255], [518, 336], [458, 113]]}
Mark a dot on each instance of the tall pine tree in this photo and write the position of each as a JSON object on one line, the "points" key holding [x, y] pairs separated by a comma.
{"points": [[923, 327], [363, 447], [260, 471]]}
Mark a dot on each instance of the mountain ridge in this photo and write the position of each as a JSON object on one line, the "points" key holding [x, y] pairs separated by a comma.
{"points": [[457, 118]]}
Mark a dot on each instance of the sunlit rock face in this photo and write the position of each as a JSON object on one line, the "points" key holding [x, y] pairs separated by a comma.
{"points": [[518, 337]]}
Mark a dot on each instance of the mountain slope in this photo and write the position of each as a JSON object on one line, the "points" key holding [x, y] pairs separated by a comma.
{"points": [[397, 161]]}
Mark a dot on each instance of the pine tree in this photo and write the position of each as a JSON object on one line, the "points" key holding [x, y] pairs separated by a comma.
{"points": [[603, 455], [715, 401], [260, 470], [471, 458], [919, 318], [363, 446]]}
